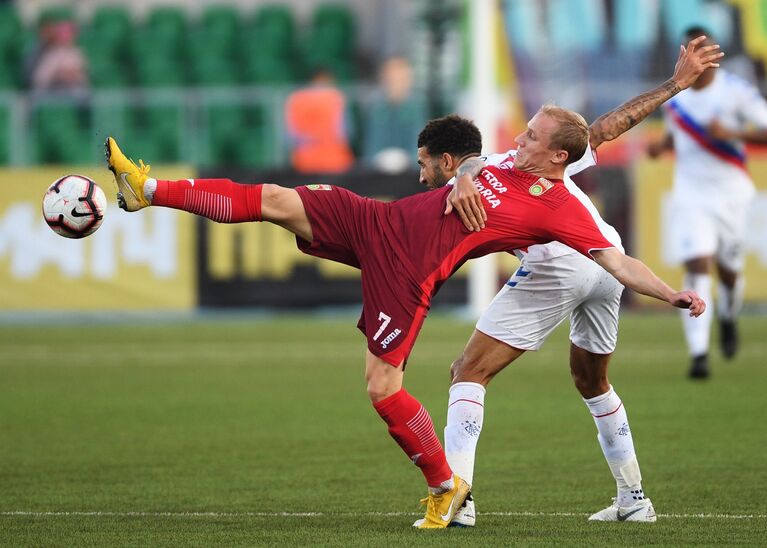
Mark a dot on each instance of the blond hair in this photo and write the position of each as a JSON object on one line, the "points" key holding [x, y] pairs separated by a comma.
{"points": [[572, 133]]}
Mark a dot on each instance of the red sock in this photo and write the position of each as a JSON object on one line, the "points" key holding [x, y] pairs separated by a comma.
{"points": [[221, 200], [411, 427]]}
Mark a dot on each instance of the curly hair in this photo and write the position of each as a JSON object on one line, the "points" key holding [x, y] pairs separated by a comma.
{"points": [[452, 135]]}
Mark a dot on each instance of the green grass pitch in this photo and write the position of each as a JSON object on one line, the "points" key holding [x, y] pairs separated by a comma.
{"points": [[258, 431]]}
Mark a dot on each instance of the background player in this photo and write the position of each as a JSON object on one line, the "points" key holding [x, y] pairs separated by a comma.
{"points": [[707, 126], [553, 282], [405, 250]]}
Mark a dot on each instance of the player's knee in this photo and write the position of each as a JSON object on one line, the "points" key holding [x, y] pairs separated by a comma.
{"points": [[698, 265], [276, 202], [468, 369], [379, 389], [455, 369], [591, 384]]}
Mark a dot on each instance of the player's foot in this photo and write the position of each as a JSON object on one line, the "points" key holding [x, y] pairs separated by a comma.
{"points": [[641, 511], [728, 338], [466, 516], [441, 509], [130, 177], [699, 367]]}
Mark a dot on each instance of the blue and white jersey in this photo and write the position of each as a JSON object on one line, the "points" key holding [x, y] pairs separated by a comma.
{"points": [[706, 167], [543, 252]]}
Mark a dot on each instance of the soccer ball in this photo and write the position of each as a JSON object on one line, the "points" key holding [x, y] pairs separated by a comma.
{"points": [[74, 206]]}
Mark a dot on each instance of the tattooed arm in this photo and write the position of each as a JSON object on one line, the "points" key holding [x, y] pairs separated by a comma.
{"points": [[464, 198], [470, 166], [692, 61]]}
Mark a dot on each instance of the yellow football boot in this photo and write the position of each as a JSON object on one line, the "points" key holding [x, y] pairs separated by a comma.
{"points": [[130, 177], [441, 509]]}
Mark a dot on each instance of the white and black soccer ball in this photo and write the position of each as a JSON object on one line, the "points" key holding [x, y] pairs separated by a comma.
{"points": [[74, 206]]}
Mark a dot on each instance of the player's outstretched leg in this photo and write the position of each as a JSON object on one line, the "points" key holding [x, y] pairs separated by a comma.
{"points": [[130, 177], [220, 200]]}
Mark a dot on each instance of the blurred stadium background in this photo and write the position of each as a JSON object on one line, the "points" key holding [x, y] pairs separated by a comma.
{"points": [[202, 88]]}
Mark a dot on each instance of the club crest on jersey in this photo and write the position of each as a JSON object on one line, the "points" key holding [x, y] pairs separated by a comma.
{"points": [[319, 187], [540, 186]]}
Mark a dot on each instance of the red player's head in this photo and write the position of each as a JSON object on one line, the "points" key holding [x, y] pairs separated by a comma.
{"points": [[442, 145]]}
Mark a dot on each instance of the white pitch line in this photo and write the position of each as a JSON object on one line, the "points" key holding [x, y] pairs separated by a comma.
{"points": [[343, 514]]}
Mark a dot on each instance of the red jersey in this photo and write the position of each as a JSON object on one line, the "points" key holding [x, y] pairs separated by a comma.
{"points": [[407, 248]]}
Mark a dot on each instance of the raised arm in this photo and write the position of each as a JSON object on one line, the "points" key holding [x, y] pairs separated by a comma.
{"points": [[636, 275], [692, 61]]}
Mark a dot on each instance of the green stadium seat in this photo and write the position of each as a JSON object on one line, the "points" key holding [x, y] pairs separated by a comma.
{"points": [[112, 22], [9, 75], [160, 71], [257, 147], [108, 38], [223, 123], [56, 13], [10, 24], [112, 115], [156, 64], [219, 28], [212, 53], [105, 73], [158, 129], [272, 29], [236, 136], [253, 151], [12, 44], [6, 136], [167, 28], [268, 47], [209, 69], [330, 41], [263, 68], [62, 134], [333, 29]]}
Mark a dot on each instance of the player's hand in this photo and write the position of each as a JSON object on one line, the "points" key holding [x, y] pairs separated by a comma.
{"points": [[689, 299], [694, 59], [718, 131], [466, 201]]}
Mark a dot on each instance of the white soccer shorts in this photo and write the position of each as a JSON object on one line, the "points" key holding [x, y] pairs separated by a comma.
{"points": [[705, 227], [540, 295]]}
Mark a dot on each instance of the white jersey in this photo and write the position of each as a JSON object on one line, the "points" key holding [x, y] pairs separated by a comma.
{"points": [[543, 252], [708, 168]]}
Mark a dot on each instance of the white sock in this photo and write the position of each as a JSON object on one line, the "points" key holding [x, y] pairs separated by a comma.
{"points": [[617, 445], [729, 301], [465, 411], [150, 185], [698, 330], [444, 487]]}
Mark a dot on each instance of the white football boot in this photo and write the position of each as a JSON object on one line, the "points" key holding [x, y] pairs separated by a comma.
{"points": [[642, 511], [466, 516]]}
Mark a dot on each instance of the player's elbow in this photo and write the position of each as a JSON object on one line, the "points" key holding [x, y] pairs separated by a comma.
{"points": [[611, 260]]}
